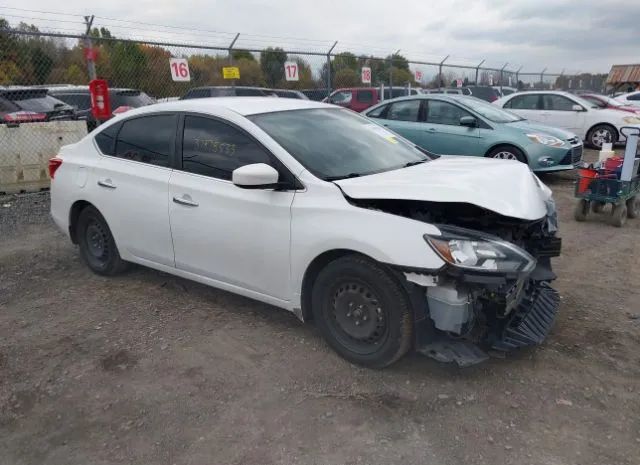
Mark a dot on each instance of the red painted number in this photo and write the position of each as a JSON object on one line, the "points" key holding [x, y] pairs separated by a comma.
{"points": [[180, 69], [292, 71]]}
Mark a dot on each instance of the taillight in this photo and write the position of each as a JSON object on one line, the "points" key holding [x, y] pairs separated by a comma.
{"points": [[121, 109], [54, 164], [24, 117]]}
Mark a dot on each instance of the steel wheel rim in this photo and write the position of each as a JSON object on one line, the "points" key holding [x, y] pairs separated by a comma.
{"points": [[600, 137], [505, 155], [97, 242], [357, 318]]}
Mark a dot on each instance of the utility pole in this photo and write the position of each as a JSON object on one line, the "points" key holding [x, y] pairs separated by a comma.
{"points": [[477, 70], [233, 42], [518, 77], [88, 47], [501, 78], [542, 78], [391, 74], [329, 69], [440, 72]]}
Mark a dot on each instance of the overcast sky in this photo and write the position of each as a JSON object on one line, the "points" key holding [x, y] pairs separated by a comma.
{"points": [[575, 35]]}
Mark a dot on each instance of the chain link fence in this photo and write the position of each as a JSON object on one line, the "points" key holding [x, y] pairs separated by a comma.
{"points": [[44, 80]]}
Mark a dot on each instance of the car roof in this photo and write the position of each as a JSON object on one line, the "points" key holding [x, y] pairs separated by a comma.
{"points": [[242, 105]]}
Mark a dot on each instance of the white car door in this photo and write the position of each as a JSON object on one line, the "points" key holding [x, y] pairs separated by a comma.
{"points": [[526, 105], [132, 181], [223, 232], [558, 111]]}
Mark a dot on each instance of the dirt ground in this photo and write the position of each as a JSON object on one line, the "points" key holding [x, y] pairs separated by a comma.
{"points": [[146, 368]]}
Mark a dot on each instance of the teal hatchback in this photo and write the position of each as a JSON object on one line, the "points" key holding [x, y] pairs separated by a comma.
{"points": [[462, 125]]}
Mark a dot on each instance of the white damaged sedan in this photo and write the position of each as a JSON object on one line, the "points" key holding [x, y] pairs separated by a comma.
{"points": [[312, 208]]}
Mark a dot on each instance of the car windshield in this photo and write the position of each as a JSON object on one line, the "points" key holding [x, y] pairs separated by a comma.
{"points": [[608, 100], [584, 102], [336, 143], [491, 112]]}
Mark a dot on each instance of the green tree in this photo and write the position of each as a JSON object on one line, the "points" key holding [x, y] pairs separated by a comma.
{"points": [[346, 78], [243, 54], [272, 63]]}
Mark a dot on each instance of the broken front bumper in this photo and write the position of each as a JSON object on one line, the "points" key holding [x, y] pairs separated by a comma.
{"points": [[528, 323]]}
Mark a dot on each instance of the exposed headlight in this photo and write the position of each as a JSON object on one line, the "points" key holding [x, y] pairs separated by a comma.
{"points": [[631, 120], [464, 248], [546, 140]]}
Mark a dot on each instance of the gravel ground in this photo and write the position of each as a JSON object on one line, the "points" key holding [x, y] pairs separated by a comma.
{"points": [[147, 368]]}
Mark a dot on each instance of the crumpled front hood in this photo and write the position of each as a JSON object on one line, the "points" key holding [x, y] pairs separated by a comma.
{"points": [[531, 127], [505, 187]]}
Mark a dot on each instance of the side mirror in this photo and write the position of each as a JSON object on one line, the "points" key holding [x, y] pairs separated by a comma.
{"points": [[468, 121], [255, 176], [577, 107]]}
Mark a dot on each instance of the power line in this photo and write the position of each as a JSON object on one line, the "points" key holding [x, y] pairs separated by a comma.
{"points": [[43, 19], [39, 11]]}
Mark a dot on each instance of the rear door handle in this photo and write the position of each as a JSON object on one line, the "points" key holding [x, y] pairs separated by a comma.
{"points": [[106, 183], [431, 130], [185, 200]]}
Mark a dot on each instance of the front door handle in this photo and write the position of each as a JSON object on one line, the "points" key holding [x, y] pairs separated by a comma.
{"points": [[185, 200], [106, 183], [430, 129]]}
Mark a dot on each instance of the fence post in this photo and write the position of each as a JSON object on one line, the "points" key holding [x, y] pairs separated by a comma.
{"points": [[233, 42], [477, 70], [518, 77], [542, 78], [501, 76], [440, 72], [329, 68], [91, 66]]}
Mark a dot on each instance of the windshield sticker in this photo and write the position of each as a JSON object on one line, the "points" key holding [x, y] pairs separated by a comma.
{"points": [[382, 132]]}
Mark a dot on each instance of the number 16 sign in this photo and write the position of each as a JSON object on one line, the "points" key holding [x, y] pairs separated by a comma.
{"points": [[179, 69]]}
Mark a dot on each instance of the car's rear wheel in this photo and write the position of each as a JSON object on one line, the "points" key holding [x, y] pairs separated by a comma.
{"points": [[507, 152], [363, 313], [97, 246], [600, 134], [633, 207], [618, 215]]}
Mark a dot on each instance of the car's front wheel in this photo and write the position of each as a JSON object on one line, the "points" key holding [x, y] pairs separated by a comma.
{"points": [[507, 152], [97, 246], [363, 313]]}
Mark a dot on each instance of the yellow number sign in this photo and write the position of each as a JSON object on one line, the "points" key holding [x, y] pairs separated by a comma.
{"points": [[231, 72]]}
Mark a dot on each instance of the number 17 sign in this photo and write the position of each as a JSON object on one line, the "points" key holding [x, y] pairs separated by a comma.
{"points": [[179, 69], [291, 71]]}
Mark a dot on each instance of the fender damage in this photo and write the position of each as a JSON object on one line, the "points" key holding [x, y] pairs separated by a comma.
{"points": [[462, 315]]}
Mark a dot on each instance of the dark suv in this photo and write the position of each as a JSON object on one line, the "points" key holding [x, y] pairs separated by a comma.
{"points": [[227, 91], [120, 100], [25, 104]]}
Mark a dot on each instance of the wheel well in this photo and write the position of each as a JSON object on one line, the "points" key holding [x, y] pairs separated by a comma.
{"points": [[615, 130], [312, 272], [74, 214], [496, 146]]}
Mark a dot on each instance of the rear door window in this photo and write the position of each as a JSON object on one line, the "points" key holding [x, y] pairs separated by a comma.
{"points": [[365, 96], [80, 101], [406, 110], [524, 102], [149, 139], [106, 139]]}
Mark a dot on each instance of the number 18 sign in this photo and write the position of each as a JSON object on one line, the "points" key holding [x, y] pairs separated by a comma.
{"points": [[365, 74], [291, 71], [179, 69]]}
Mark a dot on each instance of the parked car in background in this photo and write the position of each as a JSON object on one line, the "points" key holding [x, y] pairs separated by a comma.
{"points": [[462, 125], [226, 91], [27, 104], [316, 95], [603, 101], [564, 110], [504, 90], [486, 93], [631, 98], [120, 99], [289, 93], [361, 98], [317, 210]]}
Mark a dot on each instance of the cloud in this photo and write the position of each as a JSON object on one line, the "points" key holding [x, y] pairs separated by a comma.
{"points": [[558, 34]]}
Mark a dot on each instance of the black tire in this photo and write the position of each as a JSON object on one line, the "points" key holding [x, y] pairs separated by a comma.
{"points": [[597, 207], [507, 152], [633, 207], [601, 133], [363, 313], [618, 215], [581, 210], [97, 247]]}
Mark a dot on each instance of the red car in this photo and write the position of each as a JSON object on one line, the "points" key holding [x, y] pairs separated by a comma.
{"points": [[602, 101], [360, 98]]}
